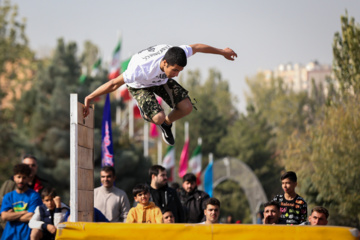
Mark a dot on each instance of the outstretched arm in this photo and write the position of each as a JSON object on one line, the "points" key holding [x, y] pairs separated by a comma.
{"points": [[107, 87], [228, 53]]}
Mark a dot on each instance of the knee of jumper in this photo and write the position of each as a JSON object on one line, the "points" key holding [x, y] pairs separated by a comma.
{"points": [[159, 118]]}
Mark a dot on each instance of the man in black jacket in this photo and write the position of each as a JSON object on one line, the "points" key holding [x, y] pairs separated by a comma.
{"points": [[192, 199], [162, 195]]}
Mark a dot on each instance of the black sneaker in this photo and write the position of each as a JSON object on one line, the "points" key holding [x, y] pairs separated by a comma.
{"points": [[167, 134]]}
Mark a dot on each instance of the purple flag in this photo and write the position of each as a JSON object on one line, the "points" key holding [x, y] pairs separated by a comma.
{"points": [[107, 151]]}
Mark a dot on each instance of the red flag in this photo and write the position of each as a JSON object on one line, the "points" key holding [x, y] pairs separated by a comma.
{"points": [[184, 158]]}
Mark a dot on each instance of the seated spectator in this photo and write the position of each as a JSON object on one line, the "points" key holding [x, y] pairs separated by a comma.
{"points": [[18, 206], [293, 208], [145, 211], [110, 200], [272, 213], [229, 219], [319, 216], [35, 182], [212, 211], [162, 195], [168, 216], [192, 199], [47, 216]]}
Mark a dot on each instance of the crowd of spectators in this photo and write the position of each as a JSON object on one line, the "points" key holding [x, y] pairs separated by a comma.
{"points": [[32, 210]]}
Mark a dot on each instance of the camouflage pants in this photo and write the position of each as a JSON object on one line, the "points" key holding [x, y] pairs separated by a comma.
{"points": [[171, 92]]}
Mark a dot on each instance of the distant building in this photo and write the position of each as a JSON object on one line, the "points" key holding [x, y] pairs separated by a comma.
{"points": [[299, 78]]}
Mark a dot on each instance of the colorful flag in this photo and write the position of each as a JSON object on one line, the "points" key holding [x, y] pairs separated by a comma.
{"points": [[107, 151], [169, 161], [208, 179], [83, 75], [195, 163], [115, 63], [154, 131], [184, 158], [95, 68], [169, 158]]}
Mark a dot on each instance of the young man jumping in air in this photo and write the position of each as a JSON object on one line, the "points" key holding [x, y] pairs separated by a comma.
{"points": [[150, 72]]}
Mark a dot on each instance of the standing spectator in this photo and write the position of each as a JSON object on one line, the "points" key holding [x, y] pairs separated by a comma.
{"points": [[110, 200], [47, 216], [162, 195], [293, 208], [145, 211], [18, 206], [272, 213], [319, 216], [192, 199], [212, 211]]}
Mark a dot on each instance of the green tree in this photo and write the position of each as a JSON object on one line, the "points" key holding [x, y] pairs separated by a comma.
{"points": [[15, 61], [214, 111], [250, 139], [346, 51], [327, 161], [233, 202]]}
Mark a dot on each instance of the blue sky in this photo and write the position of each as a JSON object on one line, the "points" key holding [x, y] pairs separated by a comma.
{"points": [[264, 33]]}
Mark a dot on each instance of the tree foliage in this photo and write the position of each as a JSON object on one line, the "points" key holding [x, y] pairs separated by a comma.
{"points": [[15, 60], [346, 50]]}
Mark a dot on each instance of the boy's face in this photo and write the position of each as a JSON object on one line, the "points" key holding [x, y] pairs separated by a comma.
{"points": [[142, 198], [168, 217], [49, 202], [212, 213], [288, 186], [317, 218], [172, 71], [21, 181]]}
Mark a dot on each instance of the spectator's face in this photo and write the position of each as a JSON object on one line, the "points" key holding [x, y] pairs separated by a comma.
{"points": [[160, 179], [21, 181], [212, 213], [317, 218], [32, 164], [107, 179], [49, 202], [288, 186], [188, 186], [271, 215], [168, 217], [142, 198]]}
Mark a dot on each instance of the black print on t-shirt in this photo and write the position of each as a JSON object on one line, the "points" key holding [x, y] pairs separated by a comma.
{"points": [[160, 51], [149, 49]]}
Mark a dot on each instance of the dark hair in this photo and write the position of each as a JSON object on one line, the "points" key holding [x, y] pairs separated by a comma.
{"points": [[175, 55], [320, 209], [29, 156], [108, 169], [166, 209], [48, 192], [174, 185], [22, 169], [212, 201], [139, 188], [190, 177], [272, 203], [154, 170], [290, 175]]}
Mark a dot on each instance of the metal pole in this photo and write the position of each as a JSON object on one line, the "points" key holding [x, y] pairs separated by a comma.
{"points": [[74, 157]]}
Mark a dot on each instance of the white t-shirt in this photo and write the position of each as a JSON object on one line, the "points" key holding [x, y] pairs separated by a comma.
{"points": [[144, 67]]}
